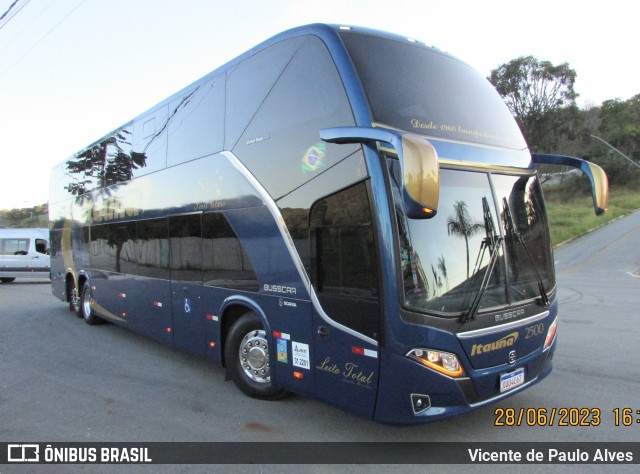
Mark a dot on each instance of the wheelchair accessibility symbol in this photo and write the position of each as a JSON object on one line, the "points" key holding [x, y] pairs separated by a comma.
{"points": [[187, 305]]}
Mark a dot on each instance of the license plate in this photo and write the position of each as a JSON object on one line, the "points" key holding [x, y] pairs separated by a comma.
{"points": [[511, 380]]}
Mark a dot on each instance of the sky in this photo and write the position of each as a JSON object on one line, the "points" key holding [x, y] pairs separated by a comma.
{"points": [[71, 71]]}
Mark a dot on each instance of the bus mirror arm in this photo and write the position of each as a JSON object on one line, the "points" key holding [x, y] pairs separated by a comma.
{"points": [[418, 160], [596, 175]]}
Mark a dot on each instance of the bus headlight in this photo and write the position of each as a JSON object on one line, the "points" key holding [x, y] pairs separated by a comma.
{"points": [[443, 362], [551, 334]]}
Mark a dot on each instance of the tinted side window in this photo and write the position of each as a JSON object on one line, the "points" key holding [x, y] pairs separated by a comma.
{"points": [[250, 82], [135, 248], [99, 249], [42, 246], [185, 238], [151, 249], [108, 161], [59, 184], [226, 263], [150, 140], [14, 246], [197, 128], [281, 144], [121, 235], [121, 162], [295, 206], [344, 259]]}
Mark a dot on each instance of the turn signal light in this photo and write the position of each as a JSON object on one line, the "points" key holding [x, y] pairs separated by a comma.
{"points": [[428, 211], [551, 334], [443, 362]]}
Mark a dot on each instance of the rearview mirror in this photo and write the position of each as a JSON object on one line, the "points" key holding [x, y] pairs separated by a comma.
{"points": [[596, 175], [418, 161]]}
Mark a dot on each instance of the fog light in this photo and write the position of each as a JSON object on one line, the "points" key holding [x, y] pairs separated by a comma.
{"points": [[420, 402], [443, 362]]}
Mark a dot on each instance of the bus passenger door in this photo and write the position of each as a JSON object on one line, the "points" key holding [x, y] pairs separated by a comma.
{"points": [[344, 273], [346, 367]]}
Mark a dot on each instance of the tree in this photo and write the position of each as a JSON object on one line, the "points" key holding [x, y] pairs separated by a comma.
{"points": [[535, 91], [36, 216], [459, 223], [109, 161], [442, 266], [620, 125]]}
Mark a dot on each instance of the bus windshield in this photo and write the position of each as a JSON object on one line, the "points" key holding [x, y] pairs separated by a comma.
{"points": [[494, 246], [412, 87]]}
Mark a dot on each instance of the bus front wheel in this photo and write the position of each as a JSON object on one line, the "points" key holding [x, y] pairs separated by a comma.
{"points": [[247, 358]]}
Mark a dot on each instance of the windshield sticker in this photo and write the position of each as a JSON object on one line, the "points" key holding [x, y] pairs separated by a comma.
{"points": [[313, 158]]}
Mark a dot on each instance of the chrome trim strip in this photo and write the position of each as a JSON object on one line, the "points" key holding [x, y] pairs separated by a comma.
{"points": [[295, 257], [451, 163], [275, 212], [502, 327]]}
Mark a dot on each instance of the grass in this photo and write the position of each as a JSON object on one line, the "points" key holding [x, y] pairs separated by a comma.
{"points": [[571, 215]]}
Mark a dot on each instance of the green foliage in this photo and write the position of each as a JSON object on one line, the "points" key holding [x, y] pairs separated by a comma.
{"points": [[37, 216], [570, 209], [620, 124], [540, 96]]}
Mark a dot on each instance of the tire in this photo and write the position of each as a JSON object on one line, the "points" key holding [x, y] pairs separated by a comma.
{"points": [[74, 300], [86, 311], [7, 280], [247, 358]]}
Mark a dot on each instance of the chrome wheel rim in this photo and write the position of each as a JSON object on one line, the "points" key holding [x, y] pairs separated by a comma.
{"points": [[86, 304], [75, 299], [254, 356]]}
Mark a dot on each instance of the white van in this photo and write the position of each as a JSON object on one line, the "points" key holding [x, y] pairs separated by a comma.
{"points": [[24, 253]]}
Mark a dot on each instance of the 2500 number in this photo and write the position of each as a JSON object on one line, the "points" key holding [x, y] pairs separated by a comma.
{"points": [[535, 330]]}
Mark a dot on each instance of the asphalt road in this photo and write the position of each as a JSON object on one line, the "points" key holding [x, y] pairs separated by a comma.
{"points": [[62, 380]]}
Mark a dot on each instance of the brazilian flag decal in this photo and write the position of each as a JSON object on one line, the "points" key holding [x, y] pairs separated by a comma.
{"points": [[313, 158]]}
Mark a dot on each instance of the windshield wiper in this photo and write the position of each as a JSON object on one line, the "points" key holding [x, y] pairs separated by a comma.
{"points": [[493, 241], [544, 298]]}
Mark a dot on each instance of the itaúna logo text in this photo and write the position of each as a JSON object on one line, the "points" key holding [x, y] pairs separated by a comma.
{"points": [[507, 341]]}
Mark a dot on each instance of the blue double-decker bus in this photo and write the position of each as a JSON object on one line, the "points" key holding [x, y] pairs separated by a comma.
{"points": [[340, 213]]}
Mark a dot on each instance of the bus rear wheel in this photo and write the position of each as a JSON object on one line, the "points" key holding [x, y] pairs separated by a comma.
{"points": [[74, 298], [247, 358], [86, 311]]}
